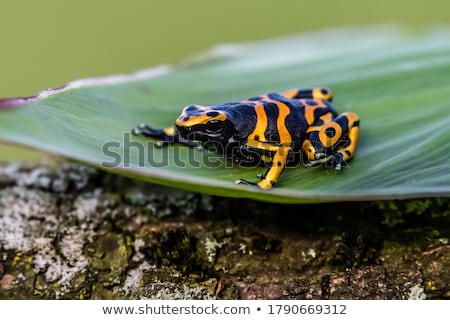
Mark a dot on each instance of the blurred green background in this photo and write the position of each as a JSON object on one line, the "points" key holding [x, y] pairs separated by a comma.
{"points": [[47, 43]]}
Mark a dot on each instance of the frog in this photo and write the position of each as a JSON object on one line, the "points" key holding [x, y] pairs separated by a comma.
{"points": [[268, 128]]}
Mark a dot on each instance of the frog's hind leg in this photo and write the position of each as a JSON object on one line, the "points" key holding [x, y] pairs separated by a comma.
{"points": [[276, 164], [340, 135], [167, 135], [311, 93]]}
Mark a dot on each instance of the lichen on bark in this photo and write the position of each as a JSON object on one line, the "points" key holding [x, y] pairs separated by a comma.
{"points": [[71, 231]]}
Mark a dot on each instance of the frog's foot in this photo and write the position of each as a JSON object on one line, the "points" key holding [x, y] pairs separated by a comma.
{"points": [[138, 130], [246, 182], [144, 130], [166, 136], [320, 159], [264, 183], [335, 159]]}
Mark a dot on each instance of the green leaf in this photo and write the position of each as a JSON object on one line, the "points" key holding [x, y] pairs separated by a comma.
{"points": [[397, 82]]}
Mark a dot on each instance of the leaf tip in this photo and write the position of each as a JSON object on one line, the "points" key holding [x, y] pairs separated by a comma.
{"points": [[6, 103], [88, 82]]}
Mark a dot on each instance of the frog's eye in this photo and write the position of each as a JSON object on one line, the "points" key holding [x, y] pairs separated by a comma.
{"points": [[309, 149], [214, 126]]}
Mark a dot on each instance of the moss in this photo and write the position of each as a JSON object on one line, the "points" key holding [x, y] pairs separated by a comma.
{"points": [[355, 250], [260, 242], [110, 255], [436, 272], [17, 281], [397, 212], [178, 248]]}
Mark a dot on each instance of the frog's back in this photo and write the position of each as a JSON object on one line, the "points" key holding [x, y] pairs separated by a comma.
{"points": [[272, 118], [292, 120], [276, 118]]}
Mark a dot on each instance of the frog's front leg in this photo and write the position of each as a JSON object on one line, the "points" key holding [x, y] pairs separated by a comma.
{"points": [[276, 166], [167, 135]]}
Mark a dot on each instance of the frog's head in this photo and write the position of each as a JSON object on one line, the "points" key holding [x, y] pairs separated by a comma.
{"points": [[204, 124], [314, 150]]}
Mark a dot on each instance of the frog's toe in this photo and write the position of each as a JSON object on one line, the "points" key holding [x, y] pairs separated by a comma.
{"points": [[318, 156], [337, 161], [136, 131], [318, 162], [242, 181], [262, 184], [162, 143], [308, 165], [142, 129]]}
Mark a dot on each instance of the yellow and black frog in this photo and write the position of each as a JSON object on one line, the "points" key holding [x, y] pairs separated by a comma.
{"points": [[271, 129]]}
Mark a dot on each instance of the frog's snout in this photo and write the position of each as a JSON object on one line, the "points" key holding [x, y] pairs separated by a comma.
{"points": [[184, 130]]}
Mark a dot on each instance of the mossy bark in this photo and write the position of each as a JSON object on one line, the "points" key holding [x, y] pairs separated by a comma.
{"points": [[69, 231]]}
